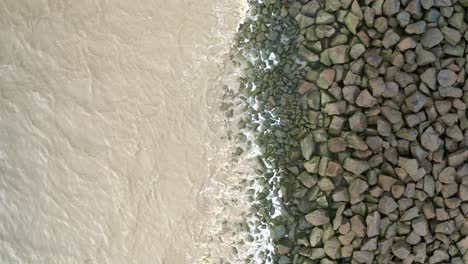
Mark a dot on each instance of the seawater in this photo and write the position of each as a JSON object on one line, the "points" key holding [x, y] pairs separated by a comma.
{"points": [[112, 147]]}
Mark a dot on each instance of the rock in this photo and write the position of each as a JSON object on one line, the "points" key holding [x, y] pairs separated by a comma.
{"points": [[420, 226], [304, 21], [386, 182], [429, 78], [424, 57], [401, 249], [420, 252], [357, 226], [378, 86], [324, 31], [307, 146], [391, 7], [430, 140], [307, 179], [333, 169], [383, 127], [351, 21], [355, 142], [316, 253], [307, 55], [332, 248], [363, 256], [390, 39], [451, 35], [439, 256], [374, 143], [431, 38], [463, 193], [372, 58], [350, 93], [409, 165], [391, 114], [315, 236], [416, 101], [386, 205], [410, 214], [365, 99], [356, 188], [311, 8], [324, 18], [446, 78], [357, 50], [416, 28], [336, 108], [332, 5], [406, 43], [458, 158], [318, 218], [447, 175], [373, 224], [427, 4], [340, 195], [414, 8], [358, 122], [337, 144], [381, 24], [403, 18], [357, 167], [339, 54], [326, 78], [284, 246]]}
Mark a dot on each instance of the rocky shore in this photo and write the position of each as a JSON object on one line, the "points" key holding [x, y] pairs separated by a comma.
{"points": [[359, 109]]}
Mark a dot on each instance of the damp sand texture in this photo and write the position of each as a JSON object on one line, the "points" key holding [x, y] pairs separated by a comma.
{"points": [[360, 112], [106, 129]]}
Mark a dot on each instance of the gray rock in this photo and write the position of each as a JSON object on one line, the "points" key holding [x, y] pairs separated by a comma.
{"points": [[307, 179], [446, 77], [424, 57], [409, 165], [358, 122], [324, 31], [391, 7], [391, 114], [386, 205], [401, 249], [357, 50], [326, 78], [315, 236], [416, 101], [410, 214], [373, 224], [439, 256], [318, 217], [332, 248], [447, 175], [355, 166], [416, 28], [451, 35], [430, 140], [351, 21], [365, 99], [324, 18], [429, 77], [390, 39], [363, 256], [339, 54], [403, 18], [356, 188], [431, 38], [307, 146], [420, 226]]}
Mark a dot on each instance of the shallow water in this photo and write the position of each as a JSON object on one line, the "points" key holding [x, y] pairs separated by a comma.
{"points": [[110, 139]]}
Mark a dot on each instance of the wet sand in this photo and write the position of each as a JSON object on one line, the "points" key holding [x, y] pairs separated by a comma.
{"points": [[110, 137]]}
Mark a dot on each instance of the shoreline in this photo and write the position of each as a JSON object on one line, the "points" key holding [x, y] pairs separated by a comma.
{"points": [[333, 103]]}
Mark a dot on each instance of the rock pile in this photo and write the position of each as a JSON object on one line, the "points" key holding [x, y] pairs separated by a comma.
{"points": [[373, 142]]}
